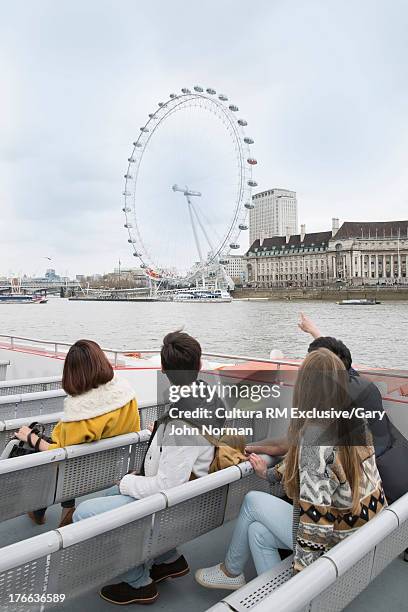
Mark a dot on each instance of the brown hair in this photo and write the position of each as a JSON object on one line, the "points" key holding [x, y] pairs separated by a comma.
{"points": [[180, 358], [86, 367], [322, 383]]}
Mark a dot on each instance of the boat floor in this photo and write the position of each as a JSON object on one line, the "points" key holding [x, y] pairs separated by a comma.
{"points": [[387, 592]]}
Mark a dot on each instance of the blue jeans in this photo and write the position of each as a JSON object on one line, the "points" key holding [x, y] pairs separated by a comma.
{"points": [[138, 576], [264, 524]]}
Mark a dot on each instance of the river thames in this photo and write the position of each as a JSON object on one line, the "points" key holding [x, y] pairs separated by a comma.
{"points": [[376, 335]]}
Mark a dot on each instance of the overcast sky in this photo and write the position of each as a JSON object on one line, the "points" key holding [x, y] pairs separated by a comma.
{"points": [[322, 83]]}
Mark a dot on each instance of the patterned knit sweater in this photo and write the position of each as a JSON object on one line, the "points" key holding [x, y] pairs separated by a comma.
{"points": [[325, 500]]}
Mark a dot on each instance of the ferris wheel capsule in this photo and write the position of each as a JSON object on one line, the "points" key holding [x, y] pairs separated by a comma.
{"points": [[131, 160], [234, 245], [172, 96], [144, 129], [252, 161], [222, 97], [126, 209], [138, 145], [185, 90], [143, 266], [198, 88], [128, 176], [211, 91], [132, 240], [224, 262], [252, 183], [242, 122], [233, 108], [243, 226], [161, 104], [136, 254], [128, 225], [248, 140], [126, 193], [151, 115], [249, 205]]}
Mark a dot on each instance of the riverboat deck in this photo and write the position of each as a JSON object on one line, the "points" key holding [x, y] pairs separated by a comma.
{"points": [[386, 591]]}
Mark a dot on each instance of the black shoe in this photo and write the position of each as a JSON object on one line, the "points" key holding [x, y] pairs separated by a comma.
{"points": [[123, 594], [175, 569]]}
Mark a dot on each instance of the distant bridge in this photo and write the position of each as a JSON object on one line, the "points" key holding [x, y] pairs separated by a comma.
{"points": [[40, 285]]}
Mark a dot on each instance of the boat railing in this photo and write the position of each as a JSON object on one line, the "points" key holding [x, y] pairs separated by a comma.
{"points": [[51, 477], [336, 578], [30, 385], [15, 343], [48, 410], [78, 557]]}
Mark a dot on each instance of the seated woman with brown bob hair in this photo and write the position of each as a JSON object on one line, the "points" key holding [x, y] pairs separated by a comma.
{"points": [[98, 405]]}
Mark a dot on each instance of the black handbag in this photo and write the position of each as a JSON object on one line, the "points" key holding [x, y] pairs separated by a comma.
{"points": [[20, 448]]}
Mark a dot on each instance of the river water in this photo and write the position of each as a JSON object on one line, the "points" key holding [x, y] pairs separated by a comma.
{"points": [[376, 335]]}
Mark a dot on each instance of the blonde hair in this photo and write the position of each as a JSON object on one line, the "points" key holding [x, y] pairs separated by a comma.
{"points": [[322, 383]]}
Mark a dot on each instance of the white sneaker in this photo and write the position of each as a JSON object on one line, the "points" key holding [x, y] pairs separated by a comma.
{"points": [[215, 578]]}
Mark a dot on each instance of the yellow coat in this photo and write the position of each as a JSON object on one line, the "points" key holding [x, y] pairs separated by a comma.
{"points": [[120, 421], [104, 412]]}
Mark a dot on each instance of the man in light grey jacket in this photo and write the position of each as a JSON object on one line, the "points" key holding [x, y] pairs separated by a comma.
{"points": [[170, 460]]}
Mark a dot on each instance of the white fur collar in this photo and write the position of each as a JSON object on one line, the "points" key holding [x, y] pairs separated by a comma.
{"points": [[105, 398]]}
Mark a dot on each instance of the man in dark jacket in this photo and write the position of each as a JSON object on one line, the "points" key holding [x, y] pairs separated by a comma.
{"points": [[363, 393], [391, 447]]}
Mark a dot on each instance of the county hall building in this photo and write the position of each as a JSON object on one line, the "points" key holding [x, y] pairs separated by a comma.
{"points": [[356, 253]]}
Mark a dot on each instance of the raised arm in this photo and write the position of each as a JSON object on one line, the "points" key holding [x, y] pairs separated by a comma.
{"points": [[308, 326]]}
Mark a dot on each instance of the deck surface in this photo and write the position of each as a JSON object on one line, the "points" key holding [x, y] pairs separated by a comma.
{"points": [[387, 592]]}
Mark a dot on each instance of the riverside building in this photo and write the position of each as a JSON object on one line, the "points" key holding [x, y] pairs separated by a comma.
{"points": [[357, 253], [275, 213], [235, 267]]}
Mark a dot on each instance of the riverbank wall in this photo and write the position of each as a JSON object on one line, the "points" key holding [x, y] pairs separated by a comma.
{"points": [[381, 294]]}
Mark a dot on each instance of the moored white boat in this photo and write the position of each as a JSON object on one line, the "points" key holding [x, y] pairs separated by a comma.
{"points": [[202, 295], [357, 302], [21, 298]]}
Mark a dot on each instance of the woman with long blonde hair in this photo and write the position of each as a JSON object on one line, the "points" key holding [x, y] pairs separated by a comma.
{"points": [[329, 474]]}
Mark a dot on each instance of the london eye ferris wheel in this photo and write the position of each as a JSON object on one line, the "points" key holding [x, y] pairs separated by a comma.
{"points": [[183, 230]]}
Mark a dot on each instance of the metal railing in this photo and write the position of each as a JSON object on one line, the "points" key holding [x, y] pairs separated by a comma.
{"points": [[116, 353]]}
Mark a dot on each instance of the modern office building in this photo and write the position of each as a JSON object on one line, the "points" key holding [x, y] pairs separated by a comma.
{"points": [[235, 267], [274, 214]]}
